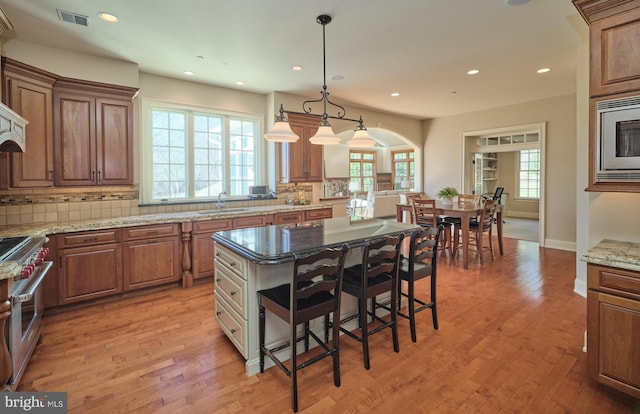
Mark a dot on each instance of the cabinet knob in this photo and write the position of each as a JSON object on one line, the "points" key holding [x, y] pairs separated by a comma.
{"points": [[218, 313], [232, 264], [233, 331], [218, 280], [233, 293]]}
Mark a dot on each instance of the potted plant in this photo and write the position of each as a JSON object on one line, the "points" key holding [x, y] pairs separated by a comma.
{"points": [[447, 194]]}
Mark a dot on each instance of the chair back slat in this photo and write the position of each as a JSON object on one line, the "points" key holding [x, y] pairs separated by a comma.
{"points": [[424, 213], [317, 273], [469, 199], [424, 247], [381, 256]]}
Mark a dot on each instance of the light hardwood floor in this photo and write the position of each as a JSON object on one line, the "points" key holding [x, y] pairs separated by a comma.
{"points": [[510, 340]]}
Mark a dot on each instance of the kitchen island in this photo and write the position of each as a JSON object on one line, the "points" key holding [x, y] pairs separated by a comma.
{"points": [[251, 259]]}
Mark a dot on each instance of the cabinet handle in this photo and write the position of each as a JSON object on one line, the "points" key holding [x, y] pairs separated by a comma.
{"points": [[233, 293], [217, 254], [90, 239], [150, 232], [218, 280], [233, 331], [218, 313], [93, 176], [232, 264], [99, 175]]}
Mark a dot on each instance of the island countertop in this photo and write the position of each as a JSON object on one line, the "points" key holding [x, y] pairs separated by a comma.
{"points": [[613, 253], [278, 244]]}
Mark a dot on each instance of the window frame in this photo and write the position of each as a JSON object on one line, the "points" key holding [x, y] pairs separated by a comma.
{"points": [[410, 161], [146, 150], [361, 177], [519, 170]]}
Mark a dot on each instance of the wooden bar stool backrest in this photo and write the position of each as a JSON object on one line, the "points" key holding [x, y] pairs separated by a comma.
{"points": [[314, 291], [424, 213]]}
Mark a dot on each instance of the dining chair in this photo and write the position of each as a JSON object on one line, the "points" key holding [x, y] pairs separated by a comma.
{"points": [[419, 264], [464, 199], [425, 214], [484, 224], [314, 291], [376, 274]]}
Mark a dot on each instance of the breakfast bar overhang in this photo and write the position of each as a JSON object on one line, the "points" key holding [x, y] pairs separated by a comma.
{"points": [[251, 259]]}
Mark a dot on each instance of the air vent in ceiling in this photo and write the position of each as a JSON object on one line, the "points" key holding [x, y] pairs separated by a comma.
{"points": [[74, 18]]}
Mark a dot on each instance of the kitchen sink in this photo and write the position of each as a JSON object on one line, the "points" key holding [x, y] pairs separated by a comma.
{"points": [[222, 211]]}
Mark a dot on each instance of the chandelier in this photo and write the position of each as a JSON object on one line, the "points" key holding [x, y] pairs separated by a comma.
{"points": [[281, 131]]}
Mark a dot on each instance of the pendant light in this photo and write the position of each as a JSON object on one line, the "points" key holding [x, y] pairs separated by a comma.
{"points": [[281, 131], [361, 137]]}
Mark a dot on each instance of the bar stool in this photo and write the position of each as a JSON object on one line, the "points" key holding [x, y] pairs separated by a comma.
{"points": [[318, 281], [377, 274], [419, 264]]}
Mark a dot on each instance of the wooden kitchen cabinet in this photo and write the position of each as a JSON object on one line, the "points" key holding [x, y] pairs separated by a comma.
{"points": [[614, 46], [203, 264], [323, 213], [288, 217], [151, 256], [93, 133], [613, 327], [252, 221], [614, 36], [301, 161], [29, 92], [89, 265]]}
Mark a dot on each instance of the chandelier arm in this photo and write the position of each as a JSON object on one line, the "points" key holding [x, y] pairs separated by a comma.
{"points": [[307, 109], [339, 115]]}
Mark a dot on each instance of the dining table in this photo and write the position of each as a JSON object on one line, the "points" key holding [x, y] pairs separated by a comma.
{"points": [[463, 211]]}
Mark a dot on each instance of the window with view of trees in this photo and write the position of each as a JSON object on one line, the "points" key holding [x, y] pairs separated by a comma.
{"points": [[403, 169], [197, 155], [529, 174], [362, 169]]}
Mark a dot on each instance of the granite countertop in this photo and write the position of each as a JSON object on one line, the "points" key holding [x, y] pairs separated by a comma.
{"points": [[278, 244], [10, 269], [141, 220], [620, 254]]}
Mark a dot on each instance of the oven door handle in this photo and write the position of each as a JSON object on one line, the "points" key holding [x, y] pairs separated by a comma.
{"points": [[25, 297]]}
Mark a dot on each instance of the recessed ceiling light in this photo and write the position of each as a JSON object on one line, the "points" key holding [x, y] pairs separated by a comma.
{"points": [[296, 67], [395, 94], [199, 57], [337, 77], [108, 17], [543, 70], [473, 72], [188, 72], [515, 2], [239, 83]]}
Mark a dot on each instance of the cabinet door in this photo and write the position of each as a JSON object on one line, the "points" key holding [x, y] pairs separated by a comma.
{"points": [[612, 344], [203, 250], [301, 160], [151, 262], [615, 56], [89, 272], [74, 139], [33, 101], [114, 142]]}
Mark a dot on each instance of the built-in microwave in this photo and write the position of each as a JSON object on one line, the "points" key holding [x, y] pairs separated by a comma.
{"points": [[618, 141]]}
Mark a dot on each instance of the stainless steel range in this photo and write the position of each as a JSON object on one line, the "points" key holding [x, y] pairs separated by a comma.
{"points": [[27, 306]]}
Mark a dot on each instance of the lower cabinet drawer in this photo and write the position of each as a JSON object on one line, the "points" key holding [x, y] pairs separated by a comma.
{"points": [[232, 324], [232, 289]]}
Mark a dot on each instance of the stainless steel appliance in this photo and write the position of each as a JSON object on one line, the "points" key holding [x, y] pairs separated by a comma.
{"points": [[258, 191], [27, 305], [618, 126]]}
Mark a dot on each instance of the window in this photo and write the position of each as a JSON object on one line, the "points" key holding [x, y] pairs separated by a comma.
{"points": [[529, 174], [362, 169], [403, 169], [195, 155]]}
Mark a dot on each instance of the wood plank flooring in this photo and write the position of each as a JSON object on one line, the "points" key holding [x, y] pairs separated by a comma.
{"points": [[510, 340]]}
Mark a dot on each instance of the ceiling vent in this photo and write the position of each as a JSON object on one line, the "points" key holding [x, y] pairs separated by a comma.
{"points": [[74, 18]]}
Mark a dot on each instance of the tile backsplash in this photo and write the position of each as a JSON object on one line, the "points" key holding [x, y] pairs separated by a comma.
{"points": [[53, 205]]}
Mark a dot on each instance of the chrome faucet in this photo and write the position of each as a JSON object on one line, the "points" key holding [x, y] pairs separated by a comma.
{"points": [[220, 204]]}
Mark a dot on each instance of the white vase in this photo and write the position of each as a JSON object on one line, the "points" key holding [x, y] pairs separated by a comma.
{"points": [[447, 201]]}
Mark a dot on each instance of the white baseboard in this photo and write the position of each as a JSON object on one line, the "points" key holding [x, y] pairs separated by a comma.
{"points": [[560, 245], [580, 287]]}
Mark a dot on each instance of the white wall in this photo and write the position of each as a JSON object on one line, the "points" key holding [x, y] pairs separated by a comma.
{"points": [[443, 156], [71, 64]]}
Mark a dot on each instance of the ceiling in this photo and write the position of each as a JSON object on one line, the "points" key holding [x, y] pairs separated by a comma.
{"points": [[421, 49]]}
